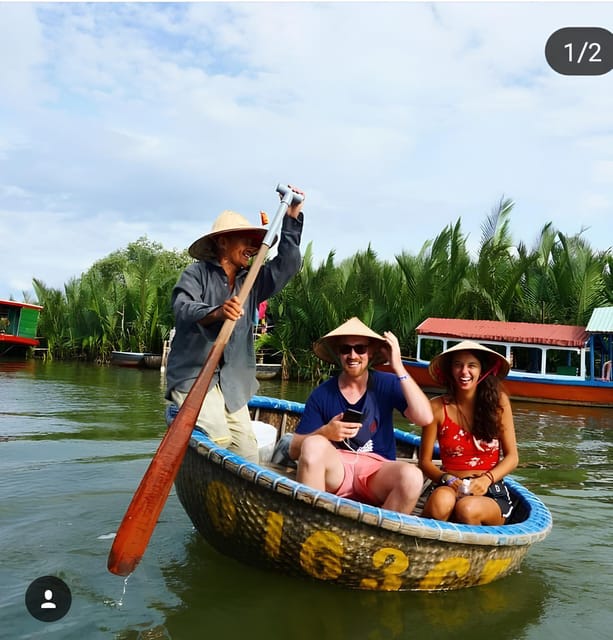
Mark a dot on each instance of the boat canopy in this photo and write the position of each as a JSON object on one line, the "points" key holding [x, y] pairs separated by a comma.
{"points": [[492, 330], [601, 320], [24, 305], [600, 328]]}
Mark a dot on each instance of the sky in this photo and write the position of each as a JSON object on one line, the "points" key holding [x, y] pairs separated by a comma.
{"points": [[124, 120]]}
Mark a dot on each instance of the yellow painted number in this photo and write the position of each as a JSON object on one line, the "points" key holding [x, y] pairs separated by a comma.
{"points": [[493, 569], [221, 508], [435, 577], [274, 529], [392, 563], [320, 555]]}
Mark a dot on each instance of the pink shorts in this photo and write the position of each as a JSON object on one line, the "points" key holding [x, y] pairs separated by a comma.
{"points": [[359, 467]]}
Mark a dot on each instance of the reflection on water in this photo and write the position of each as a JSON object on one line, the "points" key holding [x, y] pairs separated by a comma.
{"points": [[63, 400], [286, 604], [565, 448], [8, 365], [75, 440]]}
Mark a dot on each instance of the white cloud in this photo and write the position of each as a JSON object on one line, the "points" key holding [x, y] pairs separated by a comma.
{"points": [[598, 202], [119, 120], [603, 172]]}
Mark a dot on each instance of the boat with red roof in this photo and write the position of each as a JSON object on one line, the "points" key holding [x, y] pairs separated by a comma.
{"points": [[550, 363]]}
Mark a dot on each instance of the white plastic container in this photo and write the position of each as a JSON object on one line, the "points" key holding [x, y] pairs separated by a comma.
{"points": [[266, 436], [465, 488]]}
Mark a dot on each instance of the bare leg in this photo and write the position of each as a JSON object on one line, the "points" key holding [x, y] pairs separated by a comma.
{"points": [[319, 464], [397, 485], [477, 510], [440, 504]]}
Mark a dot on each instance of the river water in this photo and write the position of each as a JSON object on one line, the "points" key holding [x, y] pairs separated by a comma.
{"points": [[76, 439]]}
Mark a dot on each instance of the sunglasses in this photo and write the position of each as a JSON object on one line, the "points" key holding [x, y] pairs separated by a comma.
{"points": [[360, 349]]}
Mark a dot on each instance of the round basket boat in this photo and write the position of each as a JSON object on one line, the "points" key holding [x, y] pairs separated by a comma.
{"points": [[152, 361], [259, 515]]}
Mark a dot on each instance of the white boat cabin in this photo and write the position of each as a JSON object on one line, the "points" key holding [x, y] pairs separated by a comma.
{"points": [[534, 350]]}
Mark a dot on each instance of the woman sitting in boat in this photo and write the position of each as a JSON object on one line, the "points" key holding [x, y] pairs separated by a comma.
{"points": [[473, 424], [355, 457]]}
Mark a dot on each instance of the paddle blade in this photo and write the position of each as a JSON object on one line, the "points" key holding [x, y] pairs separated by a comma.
{"points": [[148, 501]]}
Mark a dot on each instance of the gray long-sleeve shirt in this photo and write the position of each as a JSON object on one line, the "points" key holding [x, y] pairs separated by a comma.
{"points": [[203, 287]]}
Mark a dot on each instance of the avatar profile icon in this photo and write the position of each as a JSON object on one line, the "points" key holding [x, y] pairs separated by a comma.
{"points": [[48, 604], [48, 598]]}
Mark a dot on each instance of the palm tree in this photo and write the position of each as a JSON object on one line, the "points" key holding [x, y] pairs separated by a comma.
{"points": [[438, 276], [493, 281], [52, 323], [578, 277], [300, 311], [564, 281]]}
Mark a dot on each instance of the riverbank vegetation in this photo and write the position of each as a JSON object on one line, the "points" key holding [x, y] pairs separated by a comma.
{"points": [[123, 301]]}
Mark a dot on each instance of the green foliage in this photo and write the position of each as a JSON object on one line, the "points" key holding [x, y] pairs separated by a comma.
{"points": [[123, 301]]}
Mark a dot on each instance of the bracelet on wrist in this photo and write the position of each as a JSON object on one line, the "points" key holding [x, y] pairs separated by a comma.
{"points": [[404, 377], [447, 479]]}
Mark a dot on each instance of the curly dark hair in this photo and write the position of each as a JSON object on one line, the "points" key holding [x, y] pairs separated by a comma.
{"points": [[488, 411]]}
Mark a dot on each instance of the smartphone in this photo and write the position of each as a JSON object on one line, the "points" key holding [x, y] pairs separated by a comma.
{"points": [[351, 415]]}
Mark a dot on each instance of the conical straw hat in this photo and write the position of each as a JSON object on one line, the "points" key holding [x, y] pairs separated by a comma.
{"points": [[497, 363], [227, 222], [326, 347]]}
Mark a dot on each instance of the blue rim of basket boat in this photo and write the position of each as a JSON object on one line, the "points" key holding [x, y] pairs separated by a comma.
{"points": [[536, 527]]}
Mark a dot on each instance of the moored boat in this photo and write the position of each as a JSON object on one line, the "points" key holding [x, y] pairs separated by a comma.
{"points": [[559, 364], [259, 514], [152, 361], [136, 359], [128, 358], [267, 370], [18, 327]]}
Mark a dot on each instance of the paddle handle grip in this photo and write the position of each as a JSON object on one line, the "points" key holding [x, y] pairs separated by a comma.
{"points": [[289, 197], [286, 191]]}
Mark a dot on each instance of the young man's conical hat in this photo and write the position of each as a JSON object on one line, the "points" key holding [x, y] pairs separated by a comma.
{"points": [[326, 347]]}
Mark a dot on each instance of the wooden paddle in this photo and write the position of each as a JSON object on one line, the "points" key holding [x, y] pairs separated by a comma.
{"points": [[148, 501]]}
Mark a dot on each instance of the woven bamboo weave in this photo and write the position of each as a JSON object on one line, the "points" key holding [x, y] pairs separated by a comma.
{"points": [[263, 518]]}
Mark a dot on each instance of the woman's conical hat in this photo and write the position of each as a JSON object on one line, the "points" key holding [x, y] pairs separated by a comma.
{"points": [[497, 363]]}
